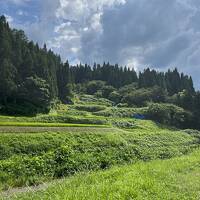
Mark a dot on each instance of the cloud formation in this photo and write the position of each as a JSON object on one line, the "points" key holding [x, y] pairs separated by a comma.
{"points": [[159, 34]]}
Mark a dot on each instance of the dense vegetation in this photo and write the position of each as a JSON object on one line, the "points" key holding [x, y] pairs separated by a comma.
{"points": [[175, 179], [30, 158], [42, 148], [58, 120], [33, 79]]}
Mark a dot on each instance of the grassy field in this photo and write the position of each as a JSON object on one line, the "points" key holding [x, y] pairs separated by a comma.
{"points": [[177, 178], [37, 124], [31, 158], [84, 137]]}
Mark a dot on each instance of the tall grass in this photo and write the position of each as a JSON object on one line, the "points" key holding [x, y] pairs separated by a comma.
{"points": [[83, 137], [176, 179], [28, 159]]}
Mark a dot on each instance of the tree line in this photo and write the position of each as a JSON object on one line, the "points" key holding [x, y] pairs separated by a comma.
{"points": [[172, 81], [32, 77]]}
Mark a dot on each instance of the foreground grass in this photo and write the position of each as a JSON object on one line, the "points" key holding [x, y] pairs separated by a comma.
{"points": [[177, 178], [75, 139], [31, 158]]}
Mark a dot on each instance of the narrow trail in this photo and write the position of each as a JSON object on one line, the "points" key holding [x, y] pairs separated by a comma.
{"points": [[12, 192], [15, 191]]}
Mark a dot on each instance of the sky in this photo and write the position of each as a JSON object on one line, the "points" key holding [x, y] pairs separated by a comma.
{"points": [[160, 34]]}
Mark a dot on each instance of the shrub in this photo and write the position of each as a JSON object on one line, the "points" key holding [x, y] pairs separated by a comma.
{"points": [[124, 124], [115, 97], [90, 99], [77, 152], [93, 86], [90, 108], [141, 96], [169, 114], [107, 90], [71, 119]]}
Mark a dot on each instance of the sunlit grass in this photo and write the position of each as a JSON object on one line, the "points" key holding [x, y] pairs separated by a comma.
{"points": [[88, 137], [177, 178], [37, 124]]}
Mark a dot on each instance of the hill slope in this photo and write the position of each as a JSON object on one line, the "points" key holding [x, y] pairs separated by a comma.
{"points": [[177, 178]]}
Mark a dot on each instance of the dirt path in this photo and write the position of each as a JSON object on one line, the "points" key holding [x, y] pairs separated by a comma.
{"points": [[12, 192], [16, 191]]}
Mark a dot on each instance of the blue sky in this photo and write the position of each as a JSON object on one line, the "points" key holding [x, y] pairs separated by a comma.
{"points": [[139, 33]]}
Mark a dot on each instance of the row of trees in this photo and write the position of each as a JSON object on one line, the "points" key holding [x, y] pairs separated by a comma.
{"points": [[172, 81], [31, 77]]}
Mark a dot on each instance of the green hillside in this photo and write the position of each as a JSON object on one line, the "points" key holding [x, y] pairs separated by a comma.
{"points": [[93, 132], [177, 178]]}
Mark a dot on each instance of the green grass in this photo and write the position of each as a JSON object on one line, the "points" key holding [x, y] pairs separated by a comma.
{"points": [[38, 124], [91, 100], [80, 138], [32, 158], [176, 179]]}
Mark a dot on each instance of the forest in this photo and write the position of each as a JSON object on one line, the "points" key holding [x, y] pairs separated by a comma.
{"points": [[33, 79]]}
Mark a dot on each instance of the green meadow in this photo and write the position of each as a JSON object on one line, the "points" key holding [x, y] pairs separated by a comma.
{"points": [[90, 154], [176, 178]]}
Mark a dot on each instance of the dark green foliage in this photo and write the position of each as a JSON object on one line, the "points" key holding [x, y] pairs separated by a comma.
{"points": [[115, 97], [93, 86], [28, 74], [36, 91], [8, 85], [90, 108], [107, 90], [141, 96], [172, 81], [169, 114], [113, 75], [32, 77], [64, 80]]}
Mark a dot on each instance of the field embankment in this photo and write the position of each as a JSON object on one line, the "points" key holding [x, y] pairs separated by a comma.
{"points": [[176, 178], [32, 158]]}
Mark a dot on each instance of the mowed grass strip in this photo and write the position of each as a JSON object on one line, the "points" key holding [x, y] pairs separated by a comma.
{"points": [[176, 178], [33, 124]]}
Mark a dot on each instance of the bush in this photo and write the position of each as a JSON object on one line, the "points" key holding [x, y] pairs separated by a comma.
{"points": [[120, 112], [141, 96], [90, 99], [90, 108], [192, 132], [56, 155], [115, 97], [93, 86], [71, 119], [107, 90], [23, 108], [169, 114], [124, 124]]}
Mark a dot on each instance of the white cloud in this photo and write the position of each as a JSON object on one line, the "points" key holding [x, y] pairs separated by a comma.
{"points": [[9, 18], [136, 33], [20, 12], [75, 19]]}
